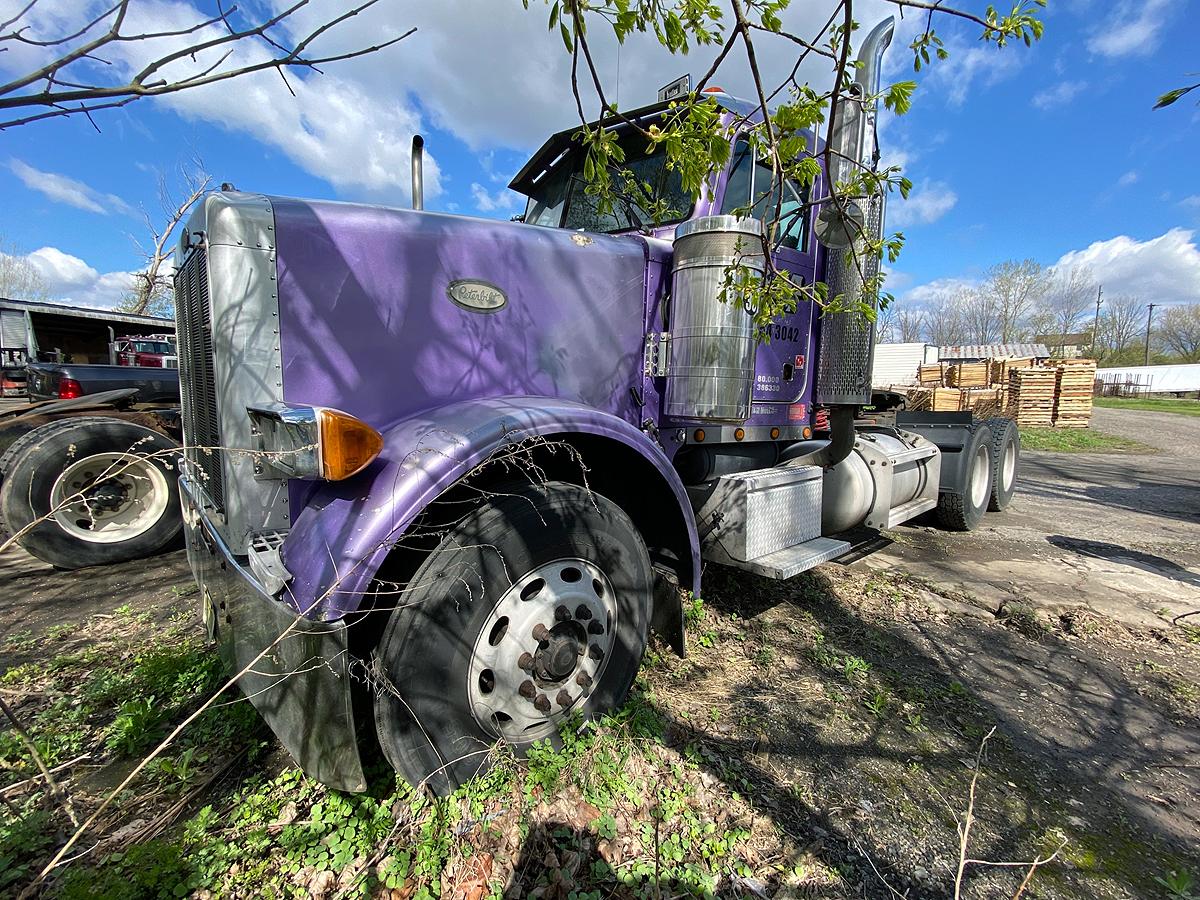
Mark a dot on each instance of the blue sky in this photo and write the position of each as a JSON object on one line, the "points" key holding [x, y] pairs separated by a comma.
{"points": [[1051, 152]]}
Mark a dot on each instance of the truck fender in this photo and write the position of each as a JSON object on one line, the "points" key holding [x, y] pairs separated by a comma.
{"points": [[347, 529]]}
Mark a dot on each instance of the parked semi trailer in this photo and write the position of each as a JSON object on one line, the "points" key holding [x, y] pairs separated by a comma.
{"points": [[444, 474]]}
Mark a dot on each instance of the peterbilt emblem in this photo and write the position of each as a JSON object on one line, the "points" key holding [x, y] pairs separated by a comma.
{"points": [[476, 296]]}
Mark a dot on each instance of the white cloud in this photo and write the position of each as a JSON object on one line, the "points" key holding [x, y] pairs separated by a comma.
{"points": [[1192, 202], [486, 201], [1058, 95], [1165, 269], [969, 65], [939, 287], [351, 134], [69, 279], [928, 202], [1132, 29], [62, 189], [1129, 178]]}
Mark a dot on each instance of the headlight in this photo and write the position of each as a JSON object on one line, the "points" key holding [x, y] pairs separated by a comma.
{"points": [[298, 441]]}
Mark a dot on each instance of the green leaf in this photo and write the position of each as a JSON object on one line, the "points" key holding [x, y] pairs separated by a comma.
{"points": [[1171, 96], [566, 35]]}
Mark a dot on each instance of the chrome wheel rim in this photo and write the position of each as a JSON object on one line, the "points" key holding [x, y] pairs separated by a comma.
{"points": [[109, 497], [1008, 466], [542, 649], [980, 475]]}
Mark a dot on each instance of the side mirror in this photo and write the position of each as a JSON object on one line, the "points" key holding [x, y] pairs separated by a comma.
{"points": [[836, 227]]}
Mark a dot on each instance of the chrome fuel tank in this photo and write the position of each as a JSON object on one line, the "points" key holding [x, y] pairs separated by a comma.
{"points": [[710, 377]]}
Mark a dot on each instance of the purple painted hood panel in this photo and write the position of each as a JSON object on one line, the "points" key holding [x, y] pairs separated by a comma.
{"points": [[347, 528], [367, 325]]}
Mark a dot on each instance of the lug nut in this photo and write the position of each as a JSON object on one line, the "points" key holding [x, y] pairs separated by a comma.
{"points": [[584, 680], [561, 614], [564, 699], [527, 690], [526, 662], [594, 627], [542, 703], [582, 612], [541, 632], [595, 652]]}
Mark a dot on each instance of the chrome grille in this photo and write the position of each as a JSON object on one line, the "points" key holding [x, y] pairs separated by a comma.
{"points": [[197, 380]]}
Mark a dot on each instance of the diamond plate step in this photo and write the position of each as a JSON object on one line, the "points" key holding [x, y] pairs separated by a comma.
{"points": [[792, 561]]}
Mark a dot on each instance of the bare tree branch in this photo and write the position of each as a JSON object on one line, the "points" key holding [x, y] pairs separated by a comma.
{"points": [[60, 86]]}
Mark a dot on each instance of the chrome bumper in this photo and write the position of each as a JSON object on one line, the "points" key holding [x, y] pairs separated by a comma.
{"points": [[296, 671]]}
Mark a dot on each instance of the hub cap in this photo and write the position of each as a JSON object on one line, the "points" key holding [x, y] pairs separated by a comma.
{"points": [[542, 649], [1009, 467], [113, 497], [981, 474]]}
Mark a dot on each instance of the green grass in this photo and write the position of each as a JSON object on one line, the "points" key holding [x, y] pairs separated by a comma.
{"points": [[1078, 440], [1180, 407]]}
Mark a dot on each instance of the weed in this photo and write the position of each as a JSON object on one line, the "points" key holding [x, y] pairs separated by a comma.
{"points": [[855, 668], [878, 704], [693, 610], [20, 641], [1179, 884]]}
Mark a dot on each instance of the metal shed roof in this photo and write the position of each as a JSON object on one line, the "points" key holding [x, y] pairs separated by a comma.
{"points": [[995, 351]]}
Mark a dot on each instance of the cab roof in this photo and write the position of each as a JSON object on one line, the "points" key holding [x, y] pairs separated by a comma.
{"points": [[558, 144]]}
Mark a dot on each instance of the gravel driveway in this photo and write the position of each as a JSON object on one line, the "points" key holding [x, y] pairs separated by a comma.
{"points": [[1173, 433], [1118, 533]]}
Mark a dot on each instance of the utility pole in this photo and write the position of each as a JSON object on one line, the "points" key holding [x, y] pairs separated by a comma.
{"points": [[1096, 320], [1149, 318]]}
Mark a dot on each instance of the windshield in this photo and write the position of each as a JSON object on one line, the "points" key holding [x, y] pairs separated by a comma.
{"points": [[560, 199], [152, 347]]}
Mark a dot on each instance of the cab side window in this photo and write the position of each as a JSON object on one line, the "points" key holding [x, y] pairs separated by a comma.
{"points": [[748, 191]]}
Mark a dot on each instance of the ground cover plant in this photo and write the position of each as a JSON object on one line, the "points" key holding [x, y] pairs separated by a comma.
{"points": [[1179, 406], [1079, 440], [824, 737]]}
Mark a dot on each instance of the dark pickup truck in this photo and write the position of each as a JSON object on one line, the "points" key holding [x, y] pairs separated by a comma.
{"points": [[65, 381]]}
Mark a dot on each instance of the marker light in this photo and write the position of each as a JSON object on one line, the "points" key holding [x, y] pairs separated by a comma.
{"points": [[739, 434], [713, 90], [347, 444], [69, 389], [310, 442]]}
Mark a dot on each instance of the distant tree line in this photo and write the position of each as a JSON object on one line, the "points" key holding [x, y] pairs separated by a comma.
{"points": [[1019, 300]]}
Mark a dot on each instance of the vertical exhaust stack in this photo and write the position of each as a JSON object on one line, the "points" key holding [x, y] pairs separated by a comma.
{"points": [[418, 172], [848, 339]]}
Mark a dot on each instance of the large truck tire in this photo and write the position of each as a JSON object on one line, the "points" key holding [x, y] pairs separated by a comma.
{"points": [[1006, 455], [961, 506], [533, 608], [126, 475]]}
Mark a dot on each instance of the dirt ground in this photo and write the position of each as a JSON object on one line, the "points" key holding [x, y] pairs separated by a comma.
{"points": [[1117, 533], [827, 727]]}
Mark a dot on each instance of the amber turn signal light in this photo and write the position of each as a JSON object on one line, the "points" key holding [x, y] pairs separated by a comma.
{"points": [[348, 445]]}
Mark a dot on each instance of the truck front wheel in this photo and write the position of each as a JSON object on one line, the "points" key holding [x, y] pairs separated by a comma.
{"points": [[533, 608], [91, 491]]}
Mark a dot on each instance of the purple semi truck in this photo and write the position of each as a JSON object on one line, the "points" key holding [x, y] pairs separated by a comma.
{"points": [[443, 475]]}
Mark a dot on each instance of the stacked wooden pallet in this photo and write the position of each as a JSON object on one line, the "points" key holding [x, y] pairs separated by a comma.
{"points": [[1073, 398], [1031, 394], [931, 374], [937, 399], [1001, 368], [969, 375]]}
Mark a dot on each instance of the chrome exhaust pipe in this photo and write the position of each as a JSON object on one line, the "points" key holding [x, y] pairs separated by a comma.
{"points": [[418, 175]]}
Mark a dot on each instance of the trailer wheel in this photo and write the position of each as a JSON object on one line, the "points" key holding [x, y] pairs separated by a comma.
{"points": [[961, 508], [533, 608], [1006, 454], [99, 490]]}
